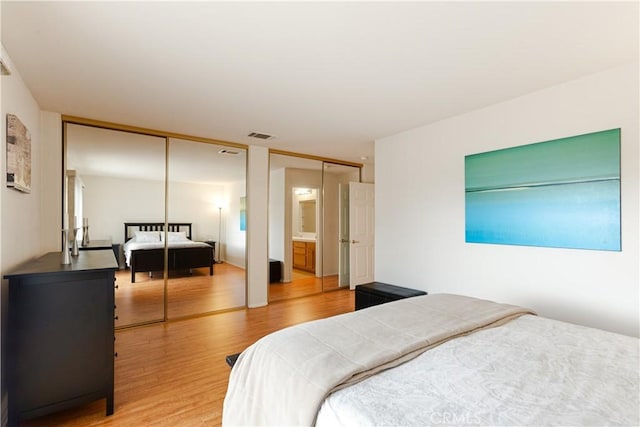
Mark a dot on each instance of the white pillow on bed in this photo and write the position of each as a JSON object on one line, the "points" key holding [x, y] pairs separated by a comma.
{"points": [[175, 236], [146, 237]]}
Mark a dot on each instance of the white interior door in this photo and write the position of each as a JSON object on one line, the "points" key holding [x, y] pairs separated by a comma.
{"points": [[361, 233], [343, 237]]}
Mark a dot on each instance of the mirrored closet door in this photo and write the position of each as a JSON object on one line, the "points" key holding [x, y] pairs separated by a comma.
{"points": [[206, 193], [117, 178], [336, 214], [172, 210], [295, 227]]}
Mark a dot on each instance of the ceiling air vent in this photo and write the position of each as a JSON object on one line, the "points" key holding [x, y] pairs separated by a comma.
{"points": [[229, 152], [259, 135]]}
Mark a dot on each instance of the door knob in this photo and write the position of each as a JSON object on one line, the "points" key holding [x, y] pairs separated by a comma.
{"points": [[355, 241]]}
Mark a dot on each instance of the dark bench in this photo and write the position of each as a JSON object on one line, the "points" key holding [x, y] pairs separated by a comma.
{"points": [[375, 293]]}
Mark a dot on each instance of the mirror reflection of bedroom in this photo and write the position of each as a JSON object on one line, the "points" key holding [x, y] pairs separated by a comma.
{"points": [[116, 183], [308, 226], [295, 206], [304, 222]]}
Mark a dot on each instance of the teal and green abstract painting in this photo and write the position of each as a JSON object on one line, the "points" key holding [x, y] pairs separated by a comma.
{"points": [[243, 213], [563, 193]]}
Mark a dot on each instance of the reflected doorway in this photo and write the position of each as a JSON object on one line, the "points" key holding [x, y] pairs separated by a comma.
{"points": [[305, 222], [336, 231], [308, 225], [295, 222]]}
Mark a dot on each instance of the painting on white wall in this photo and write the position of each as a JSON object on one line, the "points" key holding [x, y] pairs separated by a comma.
{"points": [[563, 193], [18, 154], [243, 213]]}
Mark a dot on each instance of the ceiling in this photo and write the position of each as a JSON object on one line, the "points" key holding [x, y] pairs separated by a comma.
{"points": [[105, 152], [326, 78]]}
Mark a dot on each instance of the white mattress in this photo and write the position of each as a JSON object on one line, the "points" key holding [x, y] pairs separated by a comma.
{"points": [[531, 371]]}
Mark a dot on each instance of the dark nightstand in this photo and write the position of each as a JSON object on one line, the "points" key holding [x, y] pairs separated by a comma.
{"points": [[212, 243], [375, 293], [275, 271]]}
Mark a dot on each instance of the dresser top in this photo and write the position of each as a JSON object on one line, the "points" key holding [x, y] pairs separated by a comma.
{"points": [[50, 263]]}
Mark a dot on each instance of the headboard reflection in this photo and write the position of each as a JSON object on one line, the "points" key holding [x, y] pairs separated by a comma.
{"points": [[131, 227]]}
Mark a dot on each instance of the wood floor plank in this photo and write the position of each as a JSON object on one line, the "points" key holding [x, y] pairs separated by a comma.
{"points": [[175, 374]]}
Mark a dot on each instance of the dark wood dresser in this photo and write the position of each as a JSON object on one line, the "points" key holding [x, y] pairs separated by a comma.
{"points": [[60, 334], [375, 293]]}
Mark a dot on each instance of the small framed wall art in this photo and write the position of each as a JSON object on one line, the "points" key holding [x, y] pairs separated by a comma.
{"points": [[18, 155]]}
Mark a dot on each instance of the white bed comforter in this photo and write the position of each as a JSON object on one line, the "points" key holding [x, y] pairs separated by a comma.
{"points": [[530, 371], [283, 378], [132, 245]]}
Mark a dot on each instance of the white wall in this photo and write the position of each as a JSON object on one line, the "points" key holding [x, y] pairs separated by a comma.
{"points": [[257, 226], [109, 202], [20, 213], [50, 170], [192, 202], [420, 240], [368, 173]]}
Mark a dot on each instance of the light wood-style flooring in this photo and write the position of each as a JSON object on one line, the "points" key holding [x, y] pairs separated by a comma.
{"points": [[187, 294], [302, 284], [196, 293], [174, 374]]}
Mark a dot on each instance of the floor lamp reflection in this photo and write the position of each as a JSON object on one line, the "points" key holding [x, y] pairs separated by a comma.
{"points": [[219, 260]]}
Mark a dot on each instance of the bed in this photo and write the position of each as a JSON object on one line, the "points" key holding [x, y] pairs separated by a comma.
{"points": [[145, 242], [436, 359]]}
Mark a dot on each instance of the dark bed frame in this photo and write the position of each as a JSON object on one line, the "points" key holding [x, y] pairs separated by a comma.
{"points": [[148, 260]]}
